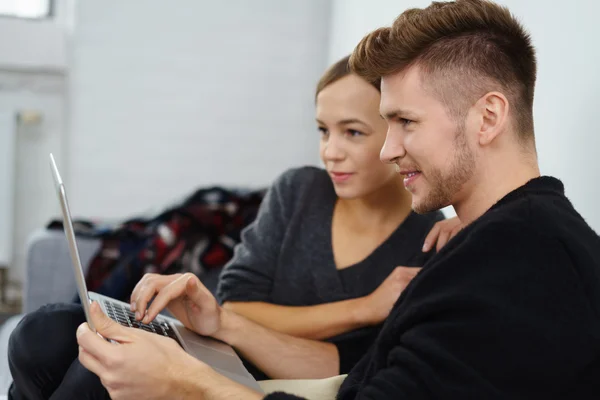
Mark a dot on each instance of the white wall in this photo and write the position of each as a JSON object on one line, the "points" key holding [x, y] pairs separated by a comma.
{"points": [[34, 197], [35, 44], [143, 101], [568, 86], [33, 66], [45, 49], [7, 183], [165, 99]]}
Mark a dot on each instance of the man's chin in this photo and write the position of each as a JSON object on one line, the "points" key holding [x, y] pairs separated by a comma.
{"points": [[424, 207]]}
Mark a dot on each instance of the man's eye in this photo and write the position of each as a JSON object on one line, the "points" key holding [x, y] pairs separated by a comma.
{"points": [[405, 122]]}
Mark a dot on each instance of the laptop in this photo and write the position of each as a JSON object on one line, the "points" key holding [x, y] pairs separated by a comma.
{"points": [[220, 356]]}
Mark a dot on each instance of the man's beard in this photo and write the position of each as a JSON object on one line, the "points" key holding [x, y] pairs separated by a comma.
{"points": [[445, 186]]}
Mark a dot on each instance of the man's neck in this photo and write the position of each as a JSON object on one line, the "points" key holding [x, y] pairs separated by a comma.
{"points": [[491, 186]]}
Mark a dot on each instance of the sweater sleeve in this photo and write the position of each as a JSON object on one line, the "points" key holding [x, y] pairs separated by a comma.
{"points": [[352, 349], [488, 324], [250, 273], [282, 396]]}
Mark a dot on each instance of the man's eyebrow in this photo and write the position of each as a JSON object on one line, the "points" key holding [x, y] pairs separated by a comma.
{"points": [[395, 114]]}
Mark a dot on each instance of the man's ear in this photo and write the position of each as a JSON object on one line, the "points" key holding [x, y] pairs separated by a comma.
{"points": [[493, 110]]}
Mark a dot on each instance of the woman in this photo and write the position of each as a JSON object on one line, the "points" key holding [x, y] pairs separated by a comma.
{"points": [[319, 261]]}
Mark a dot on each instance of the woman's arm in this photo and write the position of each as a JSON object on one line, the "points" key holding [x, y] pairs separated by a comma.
{"points": [[311, 322], [330, 319]]}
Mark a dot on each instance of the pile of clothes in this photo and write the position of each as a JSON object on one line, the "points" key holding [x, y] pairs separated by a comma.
{"points": [[196, 235]]}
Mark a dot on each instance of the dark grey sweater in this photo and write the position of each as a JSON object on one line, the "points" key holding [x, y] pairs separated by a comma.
{"points": [[286, 255]]}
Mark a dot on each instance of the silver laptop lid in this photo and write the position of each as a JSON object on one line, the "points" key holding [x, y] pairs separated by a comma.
{"points": [[70, 234]]}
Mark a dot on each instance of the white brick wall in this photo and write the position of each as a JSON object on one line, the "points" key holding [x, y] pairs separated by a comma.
{"points": [[144, 100], [165, 99]]}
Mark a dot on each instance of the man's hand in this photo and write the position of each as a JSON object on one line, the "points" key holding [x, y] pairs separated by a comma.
{"points": [[441, 233], [377, 306], [148, 366], [183, 295], [193, 305], [142, 366]]}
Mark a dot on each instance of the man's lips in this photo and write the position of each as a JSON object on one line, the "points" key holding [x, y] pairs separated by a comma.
{"points": [[410, 176], [408, 171]]}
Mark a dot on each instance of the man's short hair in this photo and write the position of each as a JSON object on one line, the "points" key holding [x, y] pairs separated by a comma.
{"points": [[463, 49]]}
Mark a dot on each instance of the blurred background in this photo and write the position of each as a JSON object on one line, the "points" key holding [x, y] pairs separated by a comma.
{"points": [[143, 101]]}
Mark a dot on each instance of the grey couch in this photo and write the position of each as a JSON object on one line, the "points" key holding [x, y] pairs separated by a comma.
{"points": [[49, 278]]}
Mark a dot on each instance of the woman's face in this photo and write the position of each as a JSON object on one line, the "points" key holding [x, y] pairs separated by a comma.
{"points": [[352, 135]]}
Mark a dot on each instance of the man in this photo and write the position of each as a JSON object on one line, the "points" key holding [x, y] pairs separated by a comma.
{"points": [[508, 309]]}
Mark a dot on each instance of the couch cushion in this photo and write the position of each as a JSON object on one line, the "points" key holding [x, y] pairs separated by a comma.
{"points": [[5, 330]]}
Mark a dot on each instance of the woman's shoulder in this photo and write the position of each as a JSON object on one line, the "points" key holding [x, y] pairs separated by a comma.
{"points": [[432, 217], [420, 224], [301, 179]]}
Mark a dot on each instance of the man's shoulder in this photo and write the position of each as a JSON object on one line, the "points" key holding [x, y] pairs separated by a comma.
{"points": [[503, 243], [494, 255], [547, 220], [542, 235], [506, 233]]}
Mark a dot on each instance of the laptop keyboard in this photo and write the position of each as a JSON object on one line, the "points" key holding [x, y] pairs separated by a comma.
{"points": [[125, 317]]}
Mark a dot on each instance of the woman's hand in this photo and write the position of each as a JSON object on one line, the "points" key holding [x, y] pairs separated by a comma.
{"points": [[441, 233], [376, 307]]}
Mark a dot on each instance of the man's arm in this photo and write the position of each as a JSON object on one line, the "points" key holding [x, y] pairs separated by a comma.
{"points": [[279, 355], [483, 325], [202, 382]]}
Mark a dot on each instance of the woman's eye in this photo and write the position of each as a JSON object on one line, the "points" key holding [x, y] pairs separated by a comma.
{"points": [[354, 133]]}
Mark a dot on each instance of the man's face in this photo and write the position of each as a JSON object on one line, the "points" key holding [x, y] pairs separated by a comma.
{"points": [[431, 148]]}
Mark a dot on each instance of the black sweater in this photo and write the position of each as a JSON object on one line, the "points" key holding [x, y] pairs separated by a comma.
{"points": [[509, 309]]}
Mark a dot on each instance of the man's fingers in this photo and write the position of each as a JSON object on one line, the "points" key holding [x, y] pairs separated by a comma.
{"points": [[136, 290], [95, 343], [146, 289], [90, 362], [106, 326], [196, 291], [144, 295], [92, 342], [146, 281], [170, 292]]}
